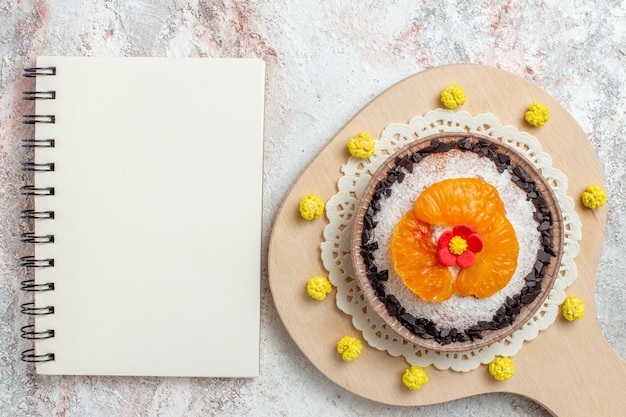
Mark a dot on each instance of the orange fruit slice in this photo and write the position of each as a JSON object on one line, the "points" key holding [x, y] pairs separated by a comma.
{"points": [[452, 202], [414, 257], [495, 264]]}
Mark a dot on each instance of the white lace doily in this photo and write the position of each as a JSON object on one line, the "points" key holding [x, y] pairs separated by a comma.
{"points": [[341, 209]]}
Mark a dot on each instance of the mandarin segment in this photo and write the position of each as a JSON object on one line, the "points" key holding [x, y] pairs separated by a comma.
{"points": [[495, 264], [455, 201], [414, 257]]}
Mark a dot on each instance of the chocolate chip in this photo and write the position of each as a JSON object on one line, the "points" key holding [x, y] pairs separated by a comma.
{"points": [[407, 319], [431, 329], [393, 305], [416, 157], [541, 202], [379, 288], [543, 256], [443, 340], [384, 184], [529, 298], [483, 325], [372, 246], [521, 173], [504, 159], [372, 276], [366, 236], [539, 267], [539, 216], [442, 147], [544, 226], [464, 144], [383, 275]]}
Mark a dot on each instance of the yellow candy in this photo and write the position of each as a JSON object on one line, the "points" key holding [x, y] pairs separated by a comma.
{"points": [[502, 368], [318, 287], [594, 197], [362, 145], [573, 308], [538, 114], [349, 348], [453, 95], [414, 377], [311, 207]]}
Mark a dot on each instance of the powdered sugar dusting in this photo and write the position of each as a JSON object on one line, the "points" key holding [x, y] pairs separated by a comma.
{"points": [[457, 312]]}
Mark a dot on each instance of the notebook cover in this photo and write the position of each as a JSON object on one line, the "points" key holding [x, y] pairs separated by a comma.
{"points": [[158, 212]]}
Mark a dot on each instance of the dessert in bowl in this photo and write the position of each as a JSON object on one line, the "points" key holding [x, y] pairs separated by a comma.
{"points": [[456, 241]]}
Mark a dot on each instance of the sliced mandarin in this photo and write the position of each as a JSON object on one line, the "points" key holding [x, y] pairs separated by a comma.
{"points": [[452, 202], [414, 257], [495, 264], [455, 201]]}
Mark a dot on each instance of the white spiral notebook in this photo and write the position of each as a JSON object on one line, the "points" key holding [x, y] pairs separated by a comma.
{"points": [[147, 215]]}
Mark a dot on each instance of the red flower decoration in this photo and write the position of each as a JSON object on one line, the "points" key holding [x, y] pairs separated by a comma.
{"points": [[458, 246]]}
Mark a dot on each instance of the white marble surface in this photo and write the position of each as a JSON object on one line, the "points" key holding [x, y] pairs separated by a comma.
{"points": [[325, 60]]}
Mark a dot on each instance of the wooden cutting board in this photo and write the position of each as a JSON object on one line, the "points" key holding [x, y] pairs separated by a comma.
{"points": [[570, 369]]}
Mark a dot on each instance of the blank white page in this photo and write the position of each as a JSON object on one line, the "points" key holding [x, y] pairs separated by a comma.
{"points": [[158, 206]]}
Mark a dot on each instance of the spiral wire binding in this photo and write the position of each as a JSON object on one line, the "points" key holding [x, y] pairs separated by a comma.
{"points": [[30, 285], [30, 237], [31, 166], [30, 332], [38, 71], [38, 143], [33, 119], [40, 95], [37, 191], [41, 215], [31, 310]]}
